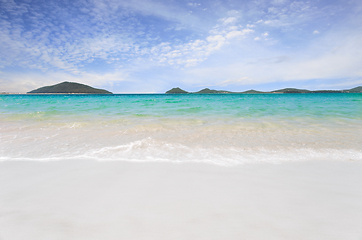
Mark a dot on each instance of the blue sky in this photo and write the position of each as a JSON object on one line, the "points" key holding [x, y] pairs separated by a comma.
{"points": [[151, 46]]}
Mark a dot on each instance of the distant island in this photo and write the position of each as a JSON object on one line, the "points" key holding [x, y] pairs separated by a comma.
{"points": [[69, 88], [284, 90], [176, 90]]}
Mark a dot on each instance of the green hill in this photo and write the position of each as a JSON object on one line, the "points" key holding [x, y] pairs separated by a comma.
{"points": [[70, 87], [354, 90], [176, 91]]}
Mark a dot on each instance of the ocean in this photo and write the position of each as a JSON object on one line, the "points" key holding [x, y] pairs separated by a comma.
{"points": [[222, 129]]}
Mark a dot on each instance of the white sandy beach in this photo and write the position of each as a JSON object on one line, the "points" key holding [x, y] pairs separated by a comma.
{"points": [[122, 200]]}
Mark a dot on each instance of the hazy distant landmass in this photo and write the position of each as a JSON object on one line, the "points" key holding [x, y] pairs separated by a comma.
{"points": [[252, 91], [284, 90], [291, 90], [70, 87], [207, 91]]}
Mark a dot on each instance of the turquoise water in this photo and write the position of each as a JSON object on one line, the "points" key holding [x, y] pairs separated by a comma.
{"points": [[162, 105], [222, 129]]}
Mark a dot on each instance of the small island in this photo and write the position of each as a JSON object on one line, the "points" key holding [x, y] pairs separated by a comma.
{"points": [[176, 90], [69, 88]]}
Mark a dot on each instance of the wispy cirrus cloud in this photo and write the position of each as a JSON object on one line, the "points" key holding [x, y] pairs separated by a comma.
{"points": [[195, 51], [70, 36], [52, 40]]}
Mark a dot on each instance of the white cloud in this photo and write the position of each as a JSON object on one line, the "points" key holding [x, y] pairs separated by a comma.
{"points": [[319, 61], [285, 14], [316, 32], [238, 33], [228, 20], [234, 34], [198, 50], [64, 43], [193, 4], [165, 10]]}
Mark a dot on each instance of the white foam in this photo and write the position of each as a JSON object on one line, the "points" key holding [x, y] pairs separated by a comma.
{"points": [[216, 142], [151, 150]]}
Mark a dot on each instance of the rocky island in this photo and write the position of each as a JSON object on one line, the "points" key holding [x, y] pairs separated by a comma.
{"points": [[69, 88]]}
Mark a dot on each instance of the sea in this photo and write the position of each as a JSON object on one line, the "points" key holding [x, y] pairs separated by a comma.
{"points": [[222, 129]]}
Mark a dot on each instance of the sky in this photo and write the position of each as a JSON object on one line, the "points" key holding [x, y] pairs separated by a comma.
{"points": [[151, 46]]}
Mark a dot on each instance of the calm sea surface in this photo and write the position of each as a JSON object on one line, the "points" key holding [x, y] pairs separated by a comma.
{"points": [[223, 129]]}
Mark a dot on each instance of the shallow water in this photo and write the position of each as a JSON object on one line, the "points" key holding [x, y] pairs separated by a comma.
{"points": [[224, 129]]}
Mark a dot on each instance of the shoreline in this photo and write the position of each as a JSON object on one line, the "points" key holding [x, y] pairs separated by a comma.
{"points": [[86, 199]]}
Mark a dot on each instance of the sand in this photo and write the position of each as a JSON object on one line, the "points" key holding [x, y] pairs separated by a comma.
{"points": [[85, 199]]}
